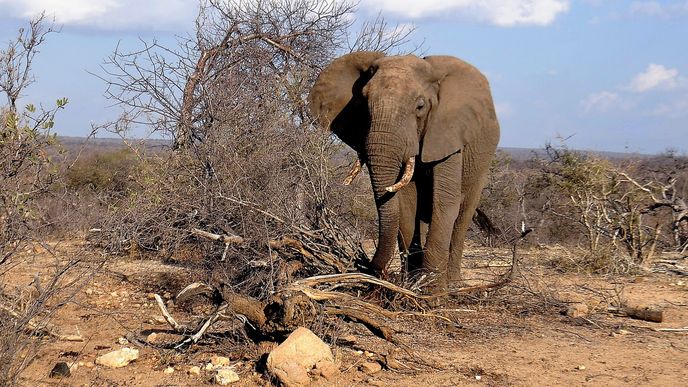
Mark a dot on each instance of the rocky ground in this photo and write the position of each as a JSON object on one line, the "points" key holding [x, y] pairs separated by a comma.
{"points": [[548, 328]]}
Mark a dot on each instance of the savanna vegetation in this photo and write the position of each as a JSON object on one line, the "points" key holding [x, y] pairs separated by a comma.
{"points": [[247, 197]]}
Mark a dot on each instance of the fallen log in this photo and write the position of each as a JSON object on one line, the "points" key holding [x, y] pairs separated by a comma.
{"points": [[650, 313]]}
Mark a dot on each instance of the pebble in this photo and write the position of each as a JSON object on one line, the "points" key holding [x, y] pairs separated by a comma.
{"points": [[225, 376], [117, 359], [87, 364], [219, 361], [159, 320], [168, 370], [327, 369], [371, 367], [60, 370], [577, 310], [152, 338], [194, 370]]}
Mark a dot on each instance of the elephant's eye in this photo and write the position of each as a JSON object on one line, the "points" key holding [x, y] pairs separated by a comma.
{"points": [[420, 103]]}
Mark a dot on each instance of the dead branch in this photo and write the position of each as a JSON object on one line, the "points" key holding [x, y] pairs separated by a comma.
{"points": [[364, 318], [296, 303], [650, 313], [226, 239], [315, 258], [168, 317]]}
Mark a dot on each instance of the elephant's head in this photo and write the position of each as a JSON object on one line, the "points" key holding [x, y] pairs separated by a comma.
{"points": [[391, 109]]}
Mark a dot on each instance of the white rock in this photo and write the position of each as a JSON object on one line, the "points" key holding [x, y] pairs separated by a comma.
{"points": [[225, 376], [168, 370], [117, 359], [195, 370]]}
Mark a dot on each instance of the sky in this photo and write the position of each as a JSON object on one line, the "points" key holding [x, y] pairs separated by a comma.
{"points": [[606, 75]]}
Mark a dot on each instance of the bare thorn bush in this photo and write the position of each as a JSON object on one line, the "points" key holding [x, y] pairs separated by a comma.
{"points": [[27, 179]]}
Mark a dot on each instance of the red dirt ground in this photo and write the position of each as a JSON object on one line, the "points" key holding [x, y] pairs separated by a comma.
{"points": [[516, 336]]}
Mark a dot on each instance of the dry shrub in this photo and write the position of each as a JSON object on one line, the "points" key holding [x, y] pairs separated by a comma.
{"points": [[613, 211], [614, 214]]}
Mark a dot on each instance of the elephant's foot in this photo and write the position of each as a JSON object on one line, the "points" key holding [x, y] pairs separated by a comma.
{"points": [[455, 279], [455, 284], [438, 284]]}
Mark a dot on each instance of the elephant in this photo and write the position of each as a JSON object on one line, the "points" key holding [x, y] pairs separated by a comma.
{"points": [[427, 130]]}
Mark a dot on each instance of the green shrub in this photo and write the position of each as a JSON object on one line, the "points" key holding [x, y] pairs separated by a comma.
{"points": [[106, 173]]}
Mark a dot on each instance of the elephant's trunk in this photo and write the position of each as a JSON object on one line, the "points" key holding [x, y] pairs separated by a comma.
{"points": [[384, 162]]}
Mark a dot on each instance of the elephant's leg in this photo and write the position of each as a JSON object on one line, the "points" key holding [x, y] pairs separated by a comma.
{"points": [[473, 183], [408, 203], [446, 203], [407, 215]]}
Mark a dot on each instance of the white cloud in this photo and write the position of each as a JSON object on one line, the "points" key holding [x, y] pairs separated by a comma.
{"points": [[659, 9], [655, 77], [671, 103], [601, 102], [171, 14], [107, 14], [674, 109], [503, 13]]}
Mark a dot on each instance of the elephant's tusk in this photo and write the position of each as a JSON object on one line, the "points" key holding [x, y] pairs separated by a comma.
{"points": [[355, 170], [405, 178]]}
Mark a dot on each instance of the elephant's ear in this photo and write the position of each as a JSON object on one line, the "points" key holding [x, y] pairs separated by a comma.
{"points": [[464, 104], [336, 101]]}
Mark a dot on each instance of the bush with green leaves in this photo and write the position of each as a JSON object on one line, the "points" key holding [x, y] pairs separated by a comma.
{"points": [[612, 210], [108, 172]]}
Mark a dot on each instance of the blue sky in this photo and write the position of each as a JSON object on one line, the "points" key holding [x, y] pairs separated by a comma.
{"points": [[609, 74]]}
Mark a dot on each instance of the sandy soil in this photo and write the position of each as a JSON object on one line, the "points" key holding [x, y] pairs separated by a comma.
{"points": [[517, 336]]}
